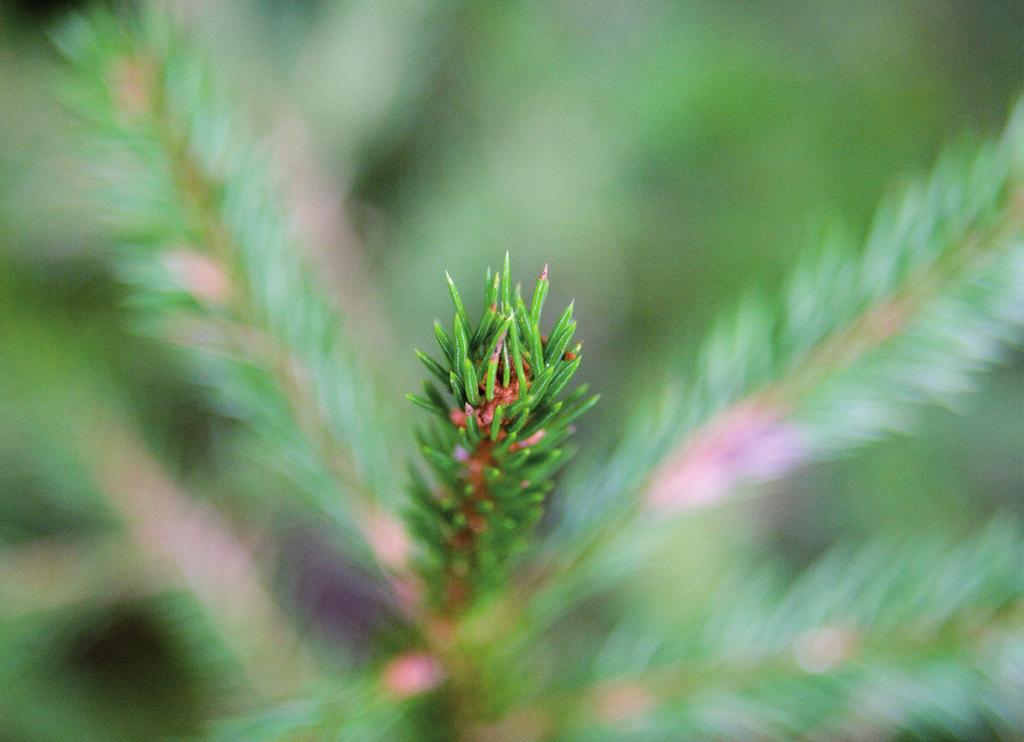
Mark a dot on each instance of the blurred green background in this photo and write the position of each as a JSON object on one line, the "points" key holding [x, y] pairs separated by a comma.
{"points": [[663, 157]]}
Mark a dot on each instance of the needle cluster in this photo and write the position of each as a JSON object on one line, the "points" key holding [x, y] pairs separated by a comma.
{"points": [[498, 441]]}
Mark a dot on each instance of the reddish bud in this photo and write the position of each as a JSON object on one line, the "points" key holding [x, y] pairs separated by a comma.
{"points": [[411, 674]]}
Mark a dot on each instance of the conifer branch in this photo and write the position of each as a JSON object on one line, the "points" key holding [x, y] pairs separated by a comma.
{"points": [[857, 342], [500, 439], [215, 266], [194, 548], [926, 638]]}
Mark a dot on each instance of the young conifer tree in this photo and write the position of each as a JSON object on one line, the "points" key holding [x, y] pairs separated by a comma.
{"points": [[919, 639]]}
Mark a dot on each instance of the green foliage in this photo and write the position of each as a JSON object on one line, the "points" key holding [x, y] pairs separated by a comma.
{"points": [[918, 638], [858, 340], [922, 638], [500, 440], [214, 267], [354, 709]]}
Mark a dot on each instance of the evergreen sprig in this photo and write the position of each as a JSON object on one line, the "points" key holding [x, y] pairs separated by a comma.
{"points": [[924, 637], [858, 341], [215, 266], [499, 442]]}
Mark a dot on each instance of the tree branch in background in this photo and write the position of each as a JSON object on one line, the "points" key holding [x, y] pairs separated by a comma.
{"points": [[215, 267], [927, 637], [857, 342], [191, 545]]}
